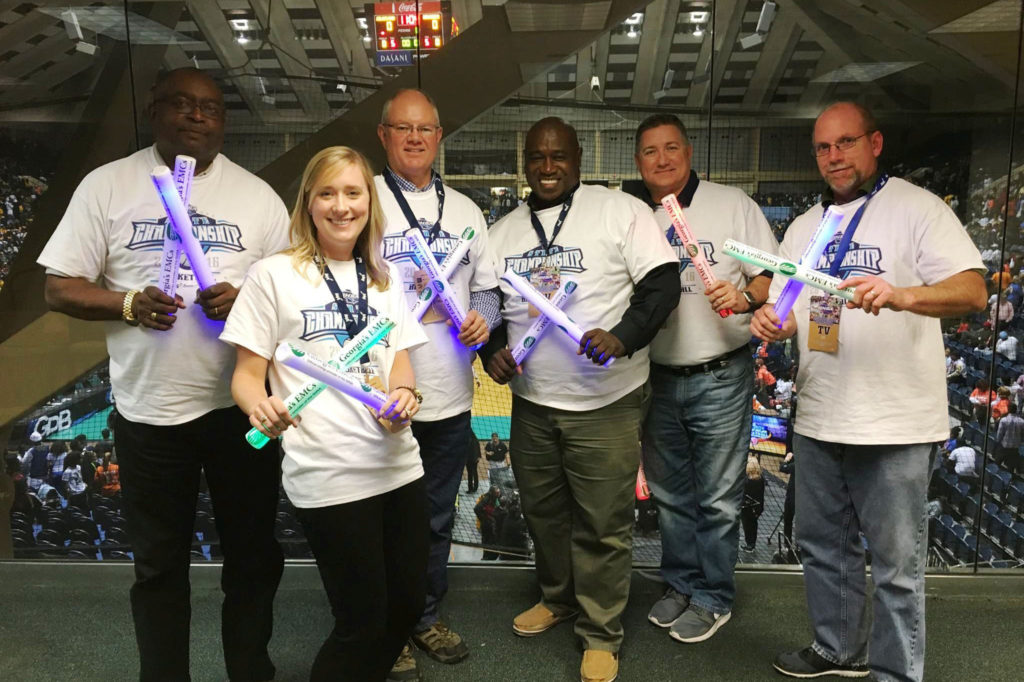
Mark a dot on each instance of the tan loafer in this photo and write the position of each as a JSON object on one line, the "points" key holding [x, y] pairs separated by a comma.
{"points": [[599, 666], [536, 620]]}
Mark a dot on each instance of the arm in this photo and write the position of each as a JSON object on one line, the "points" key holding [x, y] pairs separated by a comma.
{"points": [[654, 297], [248, 387], [724, 295], [961, 294], [402, 403], [78, 297]]}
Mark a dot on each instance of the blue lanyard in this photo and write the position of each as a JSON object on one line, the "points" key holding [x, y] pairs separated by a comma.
{"points": [[354, 322], [844, 243], [539, 229], [407, 210]]}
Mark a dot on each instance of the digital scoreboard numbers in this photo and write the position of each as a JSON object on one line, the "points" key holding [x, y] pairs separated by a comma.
{"points": [[399, 31]]}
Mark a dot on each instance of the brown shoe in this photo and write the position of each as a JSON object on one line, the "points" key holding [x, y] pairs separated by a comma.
{"points": [[536, 620], [404, 669], [441, 644], [599, 666]]}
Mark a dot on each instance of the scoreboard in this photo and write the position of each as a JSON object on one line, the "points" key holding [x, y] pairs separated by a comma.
{"points": [[397, 27]]}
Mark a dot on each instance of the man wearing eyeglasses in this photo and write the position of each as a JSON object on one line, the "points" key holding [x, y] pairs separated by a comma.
{"points": [[171, 375], [872, 400], [413, 195]]}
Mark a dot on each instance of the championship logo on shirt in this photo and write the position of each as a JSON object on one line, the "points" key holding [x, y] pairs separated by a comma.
{"points": [[684, 256], [326, 322], [565, 259], [213, 235], [861, 259], [396, 247]]}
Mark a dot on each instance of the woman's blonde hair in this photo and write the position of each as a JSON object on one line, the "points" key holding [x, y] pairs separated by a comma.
{"points": [[305, 248], [753, 467]]}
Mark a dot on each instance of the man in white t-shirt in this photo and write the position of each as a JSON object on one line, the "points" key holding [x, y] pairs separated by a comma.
{"points": [[872, 400], [697, 430], [576, 424], [171, 375], [412, 194]]}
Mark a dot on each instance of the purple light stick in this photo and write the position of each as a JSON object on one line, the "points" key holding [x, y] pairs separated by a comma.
{"points": [[812, 252]]}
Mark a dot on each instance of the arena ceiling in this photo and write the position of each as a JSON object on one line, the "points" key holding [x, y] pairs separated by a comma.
{"points": [[306, 62]]}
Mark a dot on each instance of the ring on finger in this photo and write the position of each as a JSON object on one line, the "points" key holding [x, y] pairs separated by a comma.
{"points": [[152, 315], [216, 310]]}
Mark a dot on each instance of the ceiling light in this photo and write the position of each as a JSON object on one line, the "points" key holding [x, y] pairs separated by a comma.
{"points": [[698, 17], [635, 19], [698, 32], [632, 33]]}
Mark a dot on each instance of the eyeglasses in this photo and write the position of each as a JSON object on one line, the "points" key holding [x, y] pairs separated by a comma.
{"points": [[186, 105], [405, 129], [843, 144]]}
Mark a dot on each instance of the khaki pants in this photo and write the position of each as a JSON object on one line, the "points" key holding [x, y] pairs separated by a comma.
{"points": [[576, 473]]}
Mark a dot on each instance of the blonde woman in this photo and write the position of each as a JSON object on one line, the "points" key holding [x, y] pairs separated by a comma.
{"points": [[354, 476]]}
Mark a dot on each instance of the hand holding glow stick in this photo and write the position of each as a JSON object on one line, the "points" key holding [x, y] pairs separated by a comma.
{"points": [[450, 264], [541, 324], [177, 214], [421, 252], [349, 355], [827, 228], [170, 258], [290, 356], [795, 271], [542, 304], [692, 246]]}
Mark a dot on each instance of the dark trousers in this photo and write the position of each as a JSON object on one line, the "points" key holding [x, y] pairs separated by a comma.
{"points": [[749, 517], [443, 451], [472, 475], [160, 469], [372, 556]]}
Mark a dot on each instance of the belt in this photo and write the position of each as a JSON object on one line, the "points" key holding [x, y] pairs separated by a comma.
{"points": [[704, 367]]}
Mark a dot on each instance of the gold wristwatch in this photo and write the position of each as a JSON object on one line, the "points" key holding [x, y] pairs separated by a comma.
{"points": [[126, 307]]}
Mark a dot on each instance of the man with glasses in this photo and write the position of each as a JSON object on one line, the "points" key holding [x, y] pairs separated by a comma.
{"points": [[171, 375], [413, 195], [697, 430], [872, 400]]}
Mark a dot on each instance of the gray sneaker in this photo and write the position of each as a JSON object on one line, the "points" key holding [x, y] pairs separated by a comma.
{"points": [[404, 669], [696, 625], [667, 610]]}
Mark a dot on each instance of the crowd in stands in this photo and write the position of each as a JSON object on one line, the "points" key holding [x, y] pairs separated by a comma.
{"points": [[24, 170]]}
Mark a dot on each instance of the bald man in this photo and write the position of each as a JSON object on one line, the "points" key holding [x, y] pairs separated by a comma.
{"points": [[171, 375], [413, 196], [576, 424], [872, 400]]}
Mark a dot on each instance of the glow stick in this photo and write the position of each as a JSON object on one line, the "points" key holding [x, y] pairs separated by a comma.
{"points": [[184, 169], [290, 356], [450, 264], [421, 252], [177, 214], [643, 491], [812, 253], [349, 354], [692, 246], [541, 324], [795, 271], [542, 304]]}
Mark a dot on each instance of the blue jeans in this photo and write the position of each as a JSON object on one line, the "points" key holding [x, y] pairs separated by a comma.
{"points": [[443, 451], [880, 491], [695, 452]]}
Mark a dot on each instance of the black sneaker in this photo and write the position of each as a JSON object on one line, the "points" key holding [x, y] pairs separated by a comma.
{"points": [[806, 664]]}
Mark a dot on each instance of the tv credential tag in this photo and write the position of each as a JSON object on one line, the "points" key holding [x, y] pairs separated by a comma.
{"points": [[823, 332]]}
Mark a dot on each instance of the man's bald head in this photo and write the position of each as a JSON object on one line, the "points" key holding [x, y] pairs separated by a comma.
{"points": [[553, 157]]}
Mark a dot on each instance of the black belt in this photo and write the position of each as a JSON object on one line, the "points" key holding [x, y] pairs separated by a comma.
{"points": [[704, 367]]}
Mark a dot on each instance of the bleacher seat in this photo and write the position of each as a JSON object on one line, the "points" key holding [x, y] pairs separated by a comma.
{"points": [[999, 481], [1014, 496], [971, 509], [1002, 529], [1017, 537]]}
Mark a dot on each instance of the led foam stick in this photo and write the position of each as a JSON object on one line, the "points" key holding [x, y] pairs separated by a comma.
{"points": [[541, 324], [643, 491], [692, 246], [448, 266], [177, 214], [795, 271], [290, 356], [347, 356], [421, 252], [812, 253], [184, 169], [542, 304]]}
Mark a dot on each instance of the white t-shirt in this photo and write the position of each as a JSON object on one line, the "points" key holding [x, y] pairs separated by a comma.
{"points": [[694, 333], [886, 384], [444, 367], [783, 389], [608, 242], [112, 234], [1008, 347], [339, 453]]}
